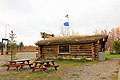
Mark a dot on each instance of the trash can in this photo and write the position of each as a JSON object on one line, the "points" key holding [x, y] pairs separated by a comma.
{"points": [[101, 56]]}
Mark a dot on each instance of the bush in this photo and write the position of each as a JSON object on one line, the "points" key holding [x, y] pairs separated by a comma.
{"points": [[76, 60], [112, 53], [116, 46]]}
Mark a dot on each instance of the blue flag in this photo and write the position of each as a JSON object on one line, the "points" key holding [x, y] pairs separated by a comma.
{"points": [[66, 24]]}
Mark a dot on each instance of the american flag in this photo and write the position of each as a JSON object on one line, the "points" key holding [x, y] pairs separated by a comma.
{"points": [[67, 16]]}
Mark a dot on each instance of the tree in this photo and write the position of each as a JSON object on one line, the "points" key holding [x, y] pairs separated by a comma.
{"points": [[116, 46], [12, 44], [21, 45], [113, 35], [62, 32], [65, 31]]}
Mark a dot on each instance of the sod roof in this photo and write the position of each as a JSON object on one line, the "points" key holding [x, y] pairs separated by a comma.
{"points": [[71, 40]]}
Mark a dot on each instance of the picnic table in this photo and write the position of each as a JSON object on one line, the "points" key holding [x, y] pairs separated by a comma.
{"points": [[44, 64], [18, 63]]}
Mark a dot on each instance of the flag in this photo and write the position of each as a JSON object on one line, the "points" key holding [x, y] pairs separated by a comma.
{"points": [[66, 24], [67, 16]]}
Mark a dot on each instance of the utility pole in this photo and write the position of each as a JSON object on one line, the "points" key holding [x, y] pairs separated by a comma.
{"points": [[6, 30]]}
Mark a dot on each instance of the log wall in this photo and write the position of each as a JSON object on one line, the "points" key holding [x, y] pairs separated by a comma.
{"points": [[49, 50], [81, 48], [75, 50]]}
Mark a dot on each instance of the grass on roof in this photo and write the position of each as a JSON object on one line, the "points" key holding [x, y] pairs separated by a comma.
{"points": [[70, 38]]}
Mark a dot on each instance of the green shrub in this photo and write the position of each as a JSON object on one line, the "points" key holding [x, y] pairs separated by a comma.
{"points": [[112, 53], [116, 46], [76, 60]]}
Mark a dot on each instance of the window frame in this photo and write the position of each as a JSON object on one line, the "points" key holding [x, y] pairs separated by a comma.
{"points": [[64, 46]]}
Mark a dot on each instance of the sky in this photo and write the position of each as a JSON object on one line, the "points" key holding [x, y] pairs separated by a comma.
{"points": [[27, 18]]}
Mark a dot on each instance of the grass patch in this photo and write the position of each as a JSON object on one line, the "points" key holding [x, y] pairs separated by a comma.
{"points": [[77, 75], [112, 56]]}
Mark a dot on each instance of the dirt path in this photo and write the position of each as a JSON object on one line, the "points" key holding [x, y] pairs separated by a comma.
{"points": [[99, 71]]}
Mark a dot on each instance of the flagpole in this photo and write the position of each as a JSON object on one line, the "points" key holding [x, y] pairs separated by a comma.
{"points": [[68, 33], [67, 26]]}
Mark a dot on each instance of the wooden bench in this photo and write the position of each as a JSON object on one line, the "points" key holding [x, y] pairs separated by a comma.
{"points": [[40, 67], [18, 63], [44, 64], [55, 66], [18, 66], [30, 65], [14, 65]]}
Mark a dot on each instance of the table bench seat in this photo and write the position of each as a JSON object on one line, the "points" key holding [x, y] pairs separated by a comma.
{"points": [[41, 68], [30, 65], [38, 68], [18, 63], [14, 65], [55, 66], [44, 64]]}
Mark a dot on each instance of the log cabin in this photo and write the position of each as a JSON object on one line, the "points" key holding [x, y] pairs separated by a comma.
{"points": [[72, 46]]}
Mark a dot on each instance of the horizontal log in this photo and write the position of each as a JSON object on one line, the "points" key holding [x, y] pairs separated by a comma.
{"points": [[49, 53], [81, 51], [81, 45], [48, 46], [80, 48], [82, 54], [64, 53]]}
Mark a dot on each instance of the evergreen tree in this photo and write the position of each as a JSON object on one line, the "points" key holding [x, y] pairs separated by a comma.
{"points": [[116, 46], [21, 45], [12, 44]]}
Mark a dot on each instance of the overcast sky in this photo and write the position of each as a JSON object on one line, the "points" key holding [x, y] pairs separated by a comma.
{"points": [[27, 18]]}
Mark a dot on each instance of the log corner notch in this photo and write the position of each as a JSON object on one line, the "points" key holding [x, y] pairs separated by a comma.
{"points": [[46, 35]]}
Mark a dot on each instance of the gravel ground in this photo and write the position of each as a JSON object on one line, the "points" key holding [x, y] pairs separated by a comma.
{"points": [[99, 71], [5, 58]]}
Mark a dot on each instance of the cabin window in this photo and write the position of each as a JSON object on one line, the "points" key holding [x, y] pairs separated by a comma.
{"points": [[63, 49]]}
